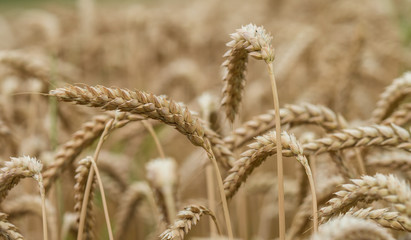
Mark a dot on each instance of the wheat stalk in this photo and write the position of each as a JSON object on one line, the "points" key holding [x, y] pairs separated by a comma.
{"points": [[350, 228], [7, 230], [369, 189], [293, 115], [390, 98], [376, 135], [185, 220]]}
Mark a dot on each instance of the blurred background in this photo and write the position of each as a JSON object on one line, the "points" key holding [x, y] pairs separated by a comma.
{"points": [[340, 54]]}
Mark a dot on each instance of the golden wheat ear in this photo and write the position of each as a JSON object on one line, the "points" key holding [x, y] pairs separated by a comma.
{"points": [[7, 230], [351, 228]]}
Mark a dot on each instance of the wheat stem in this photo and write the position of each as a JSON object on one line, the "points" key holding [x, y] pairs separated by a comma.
{"points": [[280, 173], [150, 129], [89, 182], [103, 198], [211, 196], [43, 208]]}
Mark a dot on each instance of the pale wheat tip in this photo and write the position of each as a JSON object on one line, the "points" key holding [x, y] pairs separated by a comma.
{"points": [[161, 171]]}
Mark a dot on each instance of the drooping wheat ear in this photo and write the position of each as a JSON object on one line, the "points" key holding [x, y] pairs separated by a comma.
{"points": [[161, 174], [248, 40], [301, 219], [82, 172], [351, 228], [392, 95], [263, 147], [370, 189], [376, 135], [16, 169], [401, 116], [293, 115], [383, 217], [7, 230], [151, 106], [130, 201], [185, 220], [392, 160], [83, 138]]}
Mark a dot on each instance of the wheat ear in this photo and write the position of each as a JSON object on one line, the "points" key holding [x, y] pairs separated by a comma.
{"points": [[130, 200], [248, 40], [153, 107], [376, 135], [401, 116], [82, 172], [350, 228], [185, 220], [390, 98], [293, 115], [263, 147], [16, 169], [369, 189], [83, 138], [7, 230], [384, 217]]}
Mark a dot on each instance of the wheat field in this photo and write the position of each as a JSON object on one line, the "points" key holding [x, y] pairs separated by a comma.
{"points": [[259, 120]]}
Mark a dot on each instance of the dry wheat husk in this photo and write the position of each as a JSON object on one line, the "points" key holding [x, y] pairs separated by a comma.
{"points": [[400, 116], [392, 160], [187, 218], [369, 189], [351, 228]]}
